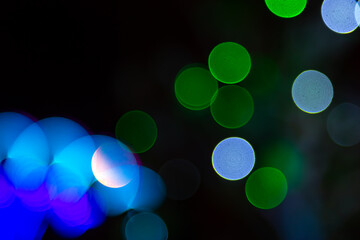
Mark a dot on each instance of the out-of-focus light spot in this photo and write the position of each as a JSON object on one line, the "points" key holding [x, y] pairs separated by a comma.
{"points": [[28, 158], [233, 158], [7, 192], [229, 62], [343, 124], [284, 156], [11, 125], [64, 183], [146, 226], [300, 220], [72, 213], [266, 188], [18, 222], [138, 130], [60, 132], [264, 75], [151, 191], [194, 87], [357, 13], [340, 15], [286, 8], [35, 200], [114, 165], [77, 217], [312, 91], [181, 177], [72, 167], [233, 106], [116, 201]]}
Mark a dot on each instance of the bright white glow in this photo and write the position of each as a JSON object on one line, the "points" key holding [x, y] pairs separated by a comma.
{"points": [[114, 165]]}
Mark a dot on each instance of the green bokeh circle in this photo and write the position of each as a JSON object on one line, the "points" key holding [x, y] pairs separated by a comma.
{"points": [[137, 129], [232, 106], [194, 88], [266, 188], [229, 62], [286, 8]]}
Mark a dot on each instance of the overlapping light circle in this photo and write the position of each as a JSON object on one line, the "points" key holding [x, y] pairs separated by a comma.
{"points": [[233, 106], [50, 167], [229, 62]]}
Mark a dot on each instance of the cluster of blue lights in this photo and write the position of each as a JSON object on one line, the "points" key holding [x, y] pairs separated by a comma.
{"points": [[54, 173]]}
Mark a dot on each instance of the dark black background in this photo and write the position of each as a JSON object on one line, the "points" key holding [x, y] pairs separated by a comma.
{"points": [[92, 61]]}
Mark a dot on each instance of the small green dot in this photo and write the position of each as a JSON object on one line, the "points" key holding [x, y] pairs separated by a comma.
{"points": [[266, 188], [229, 62], [194, 88], [137, 129], [232, 107], [286, 8]]}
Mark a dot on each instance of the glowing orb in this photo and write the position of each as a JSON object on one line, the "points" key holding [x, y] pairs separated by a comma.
{"points": [[146, 226], [233, 158], [266, 188], [138, 130], [233, 106], [340, 16], [194, 88], [343, 124], [114, 165], [286, 8], [229, 62], [181, 177], [312, 91]]}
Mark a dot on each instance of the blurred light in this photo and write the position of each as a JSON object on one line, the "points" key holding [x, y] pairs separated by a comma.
{"points": [[114, 165], [264, 75], [340, 15], [146, 226], [60, 132], [72, 213], [194, 87], [138, 130], [145, 193], [28, 158], [233, 158], [116, 201], [284, 156], [301, 219], [229, 62], [7, 191], [11, 125], [286, 8], [266, 188], [37, 200], [233, 106], [312, 91], [151, 191], [181, 177], [343, 124], [18, 222], [72, 166], [64, 183]]}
